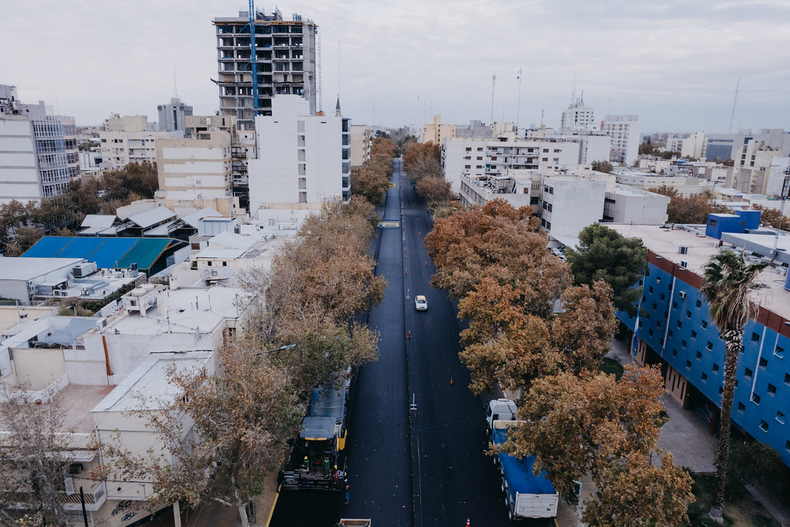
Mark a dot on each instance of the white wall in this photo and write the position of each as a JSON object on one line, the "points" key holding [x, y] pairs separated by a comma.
{"points": [[18, 165], [274, 177], [576, 203]]}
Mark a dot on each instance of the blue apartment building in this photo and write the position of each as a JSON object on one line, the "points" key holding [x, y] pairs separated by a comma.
{"points": [[674, 328]]}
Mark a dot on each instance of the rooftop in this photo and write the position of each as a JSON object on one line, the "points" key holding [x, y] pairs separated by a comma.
{"points": [[26, 268], [666, 243]]}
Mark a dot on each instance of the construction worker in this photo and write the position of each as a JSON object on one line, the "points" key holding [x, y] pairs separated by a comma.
{"points": [[346, 490]]}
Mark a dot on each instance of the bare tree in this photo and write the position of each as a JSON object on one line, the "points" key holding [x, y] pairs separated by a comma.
{"points": [[35, 457]]}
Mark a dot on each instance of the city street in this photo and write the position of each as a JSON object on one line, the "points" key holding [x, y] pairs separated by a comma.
{"points": [[411, 465]]}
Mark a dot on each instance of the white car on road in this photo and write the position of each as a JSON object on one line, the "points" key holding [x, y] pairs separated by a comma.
{"points": [[420, 304]]}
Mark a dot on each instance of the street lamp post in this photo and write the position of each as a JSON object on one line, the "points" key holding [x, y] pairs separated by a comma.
{"points": [[281, 348]]}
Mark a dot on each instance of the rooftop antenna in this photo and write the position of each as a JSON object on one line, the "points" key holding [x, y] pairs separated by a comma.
{"points": [[573, 92], [175, 81], [493, 86], [518, 105], [734, 102], [541, 117]]}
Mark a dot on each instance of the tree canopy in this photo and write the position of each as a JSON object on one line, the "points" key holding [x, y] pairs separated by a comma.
{"points": [[602, 166], [691, 210], [372, 179], [604, 254], [592, 423], [422, 160]]}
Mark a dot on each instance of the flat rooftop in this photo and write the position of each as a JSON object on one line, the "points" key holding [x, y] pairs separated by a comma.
{"points": [[77, 402], [26, 268], [667, 242]]}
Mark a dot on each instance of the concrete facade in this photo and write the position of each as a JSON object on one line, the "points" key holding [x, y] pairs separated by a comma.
{"points": [[38, 150], [570, 204], [625, 132], [360, 145], [434, 132], [676, 331], [578, 117], [285, 57], [303, 159], [728, 146], [195, 173], [172, 116], [127, 140]]}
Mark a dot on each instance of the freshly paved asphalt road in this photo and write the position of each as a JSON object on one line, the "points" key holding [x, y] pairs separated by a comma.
{"points": [[411, 467]]}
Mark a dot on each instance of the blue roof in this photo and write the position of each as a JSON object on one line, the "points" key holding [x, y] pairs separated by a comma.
{"points": [[48, 247], [519, 471], [107, 253], [81, 247], [111, 251]]}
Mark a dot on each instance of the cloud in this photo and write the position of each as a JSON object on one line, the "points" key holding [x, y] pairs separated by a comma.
{"points": [[675, 63]]}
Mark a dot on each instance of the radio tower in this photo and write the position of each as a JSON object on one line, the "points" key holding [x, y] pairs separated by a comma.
{"points": [[493, 86], [319, 88]]}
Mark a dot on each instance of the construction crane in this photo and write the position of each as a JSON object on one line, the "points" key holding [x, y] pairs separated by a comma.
{"points": [[253, 62]]}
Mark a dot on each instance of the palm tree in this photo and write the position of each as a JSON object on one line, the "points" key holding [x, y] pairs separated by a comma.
{"points": [[727, 283]]}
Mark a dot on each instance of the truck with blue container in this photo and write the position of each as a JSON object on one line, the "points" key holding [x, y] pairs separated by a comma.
{"points": [[527, 495]]}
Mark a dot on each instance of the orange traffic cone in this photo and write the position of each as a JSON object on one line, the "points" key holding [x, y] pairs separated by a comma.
{"points": [[451, 380], [404, 255], [467, 523], [406, 272], [426, 264]]}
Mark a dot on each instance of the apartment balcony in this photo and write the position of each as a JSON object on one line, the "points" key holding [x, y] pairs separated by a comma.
{"points": [[95, 493]]}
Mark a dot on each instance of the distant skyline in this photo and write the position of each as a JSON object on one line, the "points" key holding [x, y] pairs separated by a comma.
{"points": [[674, 63]]}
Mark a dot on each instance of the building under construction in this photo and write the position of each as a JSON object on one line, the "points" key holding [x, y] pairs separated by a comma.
{"points": [[286, 63]]}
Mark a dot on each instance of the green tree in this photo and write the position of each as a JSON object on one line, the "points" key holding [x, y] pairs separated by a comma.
{"points": [[727, 281], [602, 166], [605, 254]]}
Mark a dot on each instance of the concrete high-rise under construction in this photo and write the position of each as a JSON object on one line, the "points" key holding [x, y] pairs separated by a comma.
{"points": [[286, 63]]}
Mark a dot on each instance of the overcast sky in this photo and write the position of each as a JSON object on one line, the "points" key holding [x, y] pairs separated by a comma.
{"points": [[674, 63]]}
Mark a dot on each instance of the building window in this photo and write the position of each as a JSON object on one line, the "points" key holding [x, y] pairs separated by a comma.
{"points": [[680, 324], [715, 367], [763, 363], [654, 307], [699, 355], [688, 364], [755, 398], [658, 323], [674, 305], [763, 426], [780, 417], [671, 332], [709, 346], [208, 263], [683, 343], [779, 352], [787, 378], [699, 303], [771, 389], [674, 353], [741, 407], [748, 373], [688, 314], [755, 337], [662, 294], [704, 324], [693, 334], [650, 332], [704, 377], [224, 264]]}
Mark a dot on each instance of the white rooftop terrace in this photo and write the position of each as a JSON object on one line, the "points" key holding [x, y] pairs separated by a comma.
{"points": [[183, 311], [666, 243]]}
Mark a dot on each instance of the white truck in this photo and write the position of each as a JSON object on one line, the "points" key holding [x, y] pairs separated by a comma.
{"points": [[526, 495]]}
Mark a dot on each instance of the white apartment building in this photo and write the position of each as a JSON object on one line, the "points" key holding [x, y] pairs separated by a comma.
{"points": [[751, 164], [630, 205], [692, 146], [569, 204], [729, 146], [478, 158], [578, 117], [195, 173], [778, 172], [129, 139], [38, 150], [286, 63], [625, 132], [303, 159]]}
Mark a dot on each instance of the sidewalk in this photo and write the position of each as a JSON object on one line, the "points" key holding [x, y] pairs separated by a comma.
{"points": [[686, 437]]}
